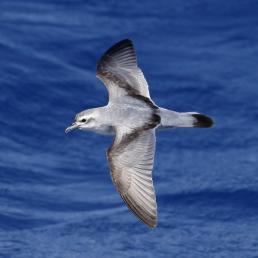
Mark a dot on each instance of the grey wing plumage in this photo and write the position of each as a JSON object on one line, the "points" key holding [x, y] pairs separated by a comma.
{"points": [[131, 160], [119, 71]]}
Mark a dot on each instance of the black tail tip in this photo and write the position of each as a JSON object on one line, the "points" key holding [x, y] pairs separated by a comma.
{"points": [[202, 121]]}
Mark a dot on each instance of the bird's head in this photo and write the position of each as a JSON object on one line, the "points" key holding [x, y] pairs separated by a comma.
{"points": [[84, 120]]}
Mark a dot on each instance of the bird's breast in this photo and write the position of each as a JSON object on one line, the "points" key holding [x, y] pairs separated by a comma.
{"points": [[128, 116], [104, 130]]}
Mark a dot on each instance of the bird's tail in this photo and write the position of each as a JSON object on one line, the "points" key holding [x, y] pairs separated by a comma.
{"points": [[189, 119]]}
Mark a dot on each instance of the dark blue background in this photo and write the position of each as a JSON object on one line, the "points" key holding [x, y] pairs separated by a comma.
{"points": [[57, 199]]}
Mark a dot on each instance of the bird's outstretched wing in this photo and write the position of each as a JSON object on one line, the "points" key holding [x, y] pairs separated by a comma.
{"points": [[118, 70], [131, 160]]}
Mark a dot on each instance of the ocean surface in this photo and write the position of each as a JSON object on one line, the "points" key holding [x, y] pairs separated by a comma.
{"points": [[56, 196]]}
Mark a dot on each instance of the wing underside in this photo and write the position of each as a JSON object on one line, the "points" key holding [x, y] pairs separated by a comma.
{"points": [[131, 160]]}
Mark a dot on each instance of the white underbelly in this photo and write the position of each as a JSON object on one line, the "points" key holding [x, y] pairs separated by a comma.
{"points": [[104, 130]]}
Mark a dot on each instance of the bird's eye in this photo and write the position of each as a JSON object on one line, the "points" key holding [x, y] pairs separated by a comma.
{"points": [[83, 120]]}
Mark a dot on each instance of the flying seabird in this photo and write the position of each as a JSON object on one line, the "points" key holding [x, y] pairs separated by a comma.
{"points": [[132, 117]]}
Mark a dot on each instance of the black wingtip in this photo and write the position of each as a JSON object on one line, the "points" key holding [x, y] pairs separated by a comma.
{"points": [[202, 121], [125, 43], [121, 54]]}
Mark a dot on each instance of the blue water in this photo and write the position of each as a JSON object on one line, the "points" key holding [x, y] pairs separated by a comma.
{"points": [[56, 195]]}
